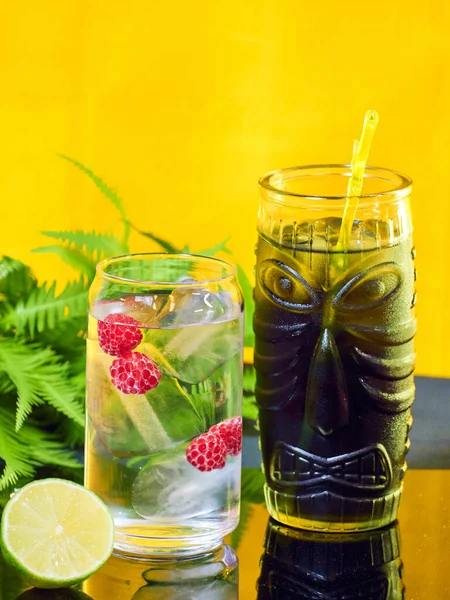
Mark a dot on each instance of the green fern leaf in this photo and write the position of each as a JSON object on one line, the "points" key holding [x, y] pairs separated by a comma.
{"points": [[13, 452], [9, 265], [42, 310], [165, 245], [16, 280], [249, 408], [99, 245], [221, 247], [249, 380], [68, 339], [252, 485], [245, 516], [23, 452], [70, 432], [46, 449], [108, 192], [247, 290], [58, 392], [72, 257], [39, 378]]}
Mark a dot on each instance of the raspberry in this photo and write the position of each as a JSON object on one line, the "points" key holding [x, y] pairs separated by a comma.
{"points": [[207, 452], [230, 431], [134, 373], [118, 333]]}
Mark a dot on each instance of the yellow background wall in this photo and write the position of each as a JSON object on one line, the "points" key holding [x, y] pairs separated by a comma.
{"points": [[182, 105]]}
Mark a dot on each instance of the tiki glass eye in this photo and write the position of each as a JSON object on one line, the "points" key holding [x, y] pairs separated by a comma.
{"points": [[287, 288], [370, 288]]}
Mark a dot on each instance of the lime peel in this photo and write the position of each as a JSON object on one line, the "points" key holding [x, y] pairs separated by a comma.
{"points": [[56, 533]]}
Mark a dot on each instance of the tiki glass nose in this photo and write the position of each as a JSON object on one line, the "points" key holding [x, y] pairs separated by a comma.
{"points": [[326, 393]]}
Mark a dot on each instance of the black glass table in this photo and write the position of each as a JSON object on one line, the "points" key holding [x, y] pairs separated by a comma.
{"points": [[410, 559]]}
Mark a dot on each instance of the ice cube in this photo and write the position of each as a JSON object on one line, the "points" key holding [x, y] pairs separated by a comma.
{"points": [[212, 590], [327, 229], [145, 308], [174, 490], [375, 229], [188, 306], [193, 353], [184, 572]]}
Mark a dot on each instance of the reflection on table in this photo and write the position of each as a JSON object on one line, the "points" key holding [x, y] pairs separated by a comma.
{"points": [[308, 566], [424, 523], [213, 575]]}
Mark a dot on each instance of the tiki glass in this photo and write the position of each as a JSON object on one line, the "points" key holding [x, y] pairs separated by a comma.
{"points": [[334, 349], [164, 388]]}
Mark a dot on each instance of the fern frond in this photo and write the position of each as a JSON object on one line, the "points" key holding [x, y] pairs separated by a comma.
{"points": [[23, 452], [99, 245], [246, 513], [42, 309], [247, 291], [249, 379], [72, 257], [13, 452], [67, 338], [16, 280], [220, 247], [249, 408], [165, 245], [70, 432], [39, 378], [9, 265], [58, 392], [46, 449], [106, 191], [252, 485]]}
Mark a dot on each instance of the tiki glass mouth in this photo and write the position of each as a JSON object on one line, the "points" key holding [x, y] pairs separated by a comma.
{"points": [[161, 270], [327, 184]]}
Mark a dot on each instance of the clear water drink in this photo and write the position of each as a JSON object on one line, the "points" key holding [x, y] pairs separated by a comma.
{"points": [[158, 382]]}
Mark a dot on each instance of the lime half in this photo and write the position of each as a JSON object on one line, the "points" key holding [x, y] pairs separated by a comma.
{"points": [[56, 533]]}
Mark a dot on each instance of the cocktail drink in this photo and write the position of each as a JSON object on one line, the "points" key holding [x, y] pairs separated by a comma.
{"points": [[164, 387], [334, 348]]}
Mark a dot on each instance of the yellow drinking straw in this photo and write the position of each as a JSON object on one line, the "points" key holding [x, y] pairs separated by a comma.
{"points": [[359, 160]]}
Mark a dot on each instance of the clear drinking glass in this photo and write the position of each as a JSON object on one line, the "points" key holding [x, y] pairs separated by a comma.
{"points": [[212, 575], [164, 388], [334, 350]]}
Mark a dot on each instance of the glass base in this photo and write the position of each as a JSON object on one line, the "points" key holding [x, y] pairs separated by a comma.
{"points": [[325, 511], [211, 575], [166, 542]]}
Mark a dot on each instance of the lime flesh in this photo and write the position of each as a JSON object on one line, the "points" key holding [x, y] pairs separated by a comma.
{"points": [[56, 533]]}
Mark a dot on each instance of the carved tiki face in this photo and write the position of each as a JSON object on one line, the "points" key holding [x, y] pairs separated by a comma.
{"points": [[334, 359]]}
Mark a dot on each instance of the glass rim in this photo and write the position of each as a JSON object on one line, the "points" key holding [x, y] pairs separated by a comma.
{"points": [[100, 269], [404, 182]]}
